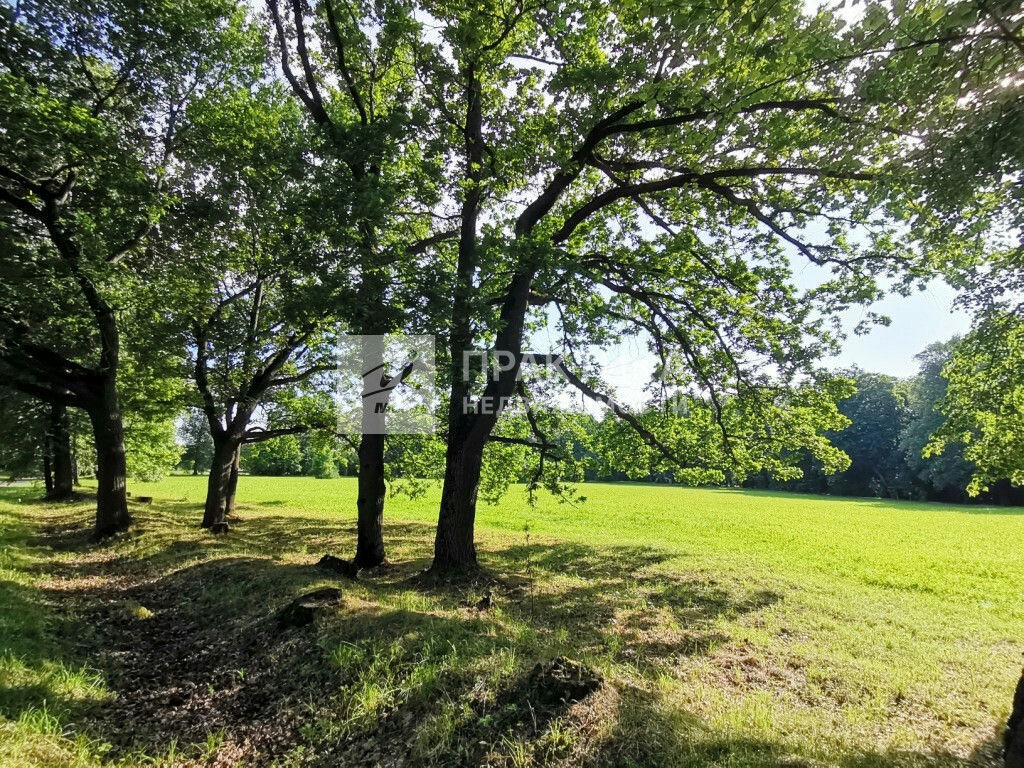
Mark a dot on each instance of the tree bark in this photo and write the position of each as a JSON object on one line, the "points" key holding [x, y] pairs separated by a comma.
{"points": [[370, 502], [229, 499], [62, 486], [468, 432], [47, 469], [219, 484], [454, 549], [111, 471], [454, 546], [370, 499]]}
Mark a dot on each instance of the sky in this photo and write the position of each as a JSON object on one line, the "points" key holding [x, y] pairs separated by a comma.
{"points": [[917, 320]]}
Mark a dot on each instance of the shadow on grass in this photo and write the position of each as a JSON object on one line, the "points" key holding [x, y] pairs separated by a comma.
{"points": [[40, 664], [642, 730], [181, 626]]}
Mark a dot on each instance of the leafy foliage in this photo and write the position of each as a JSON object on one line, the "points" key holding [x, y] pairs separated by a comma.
{"points": [[984, 403]]}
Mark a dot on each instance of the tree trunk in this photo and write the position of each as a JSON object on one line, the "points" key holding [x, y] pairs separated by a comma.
{"points": [[60, 443], [219, 484], [454, 548], [111, 472], [469, 428], [370, 503], [370, 500], [47, 471], [229, 499]]}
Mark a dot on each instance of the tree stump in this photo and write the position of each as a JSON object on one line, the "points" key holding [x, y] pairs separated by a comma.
{"points": [[144, 499], [304, 609], [345, 568], [219, 528], [1013, 739]]}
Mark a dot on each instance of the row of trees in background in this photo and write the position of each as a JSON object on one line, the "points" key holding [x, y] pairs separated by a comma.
{"points": [[197, 198], [895, 426], [891, 441]]}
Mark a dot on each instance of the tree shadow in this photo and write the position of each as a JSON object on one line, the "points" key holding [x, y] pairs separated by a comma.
{"points": [[646, 731], [41, 666], [193, 652], [181, 626], [191, 648]]}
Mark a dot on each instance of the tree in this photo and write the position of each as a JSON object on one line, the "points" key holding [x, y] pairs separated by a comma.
{"points": [[197, 444], [92, 105], [38, 436], [280, 456], [970, 149], [352, 68], [942, 476], [241, 364], [653, 170], [984, 403], [878, 415], [261, 289]]}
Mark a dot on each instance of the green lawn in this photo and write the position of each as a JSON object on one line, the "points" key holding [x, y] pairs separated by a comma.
{"points": [[730, 629]]}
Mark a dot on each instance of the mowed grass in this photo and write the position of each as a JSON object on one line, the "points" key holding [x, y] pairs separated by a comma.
{"points": [[730, 628]]}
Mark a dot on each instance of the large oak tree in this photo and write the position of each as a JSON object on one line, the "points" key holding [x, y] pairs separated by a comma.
{"points": [[92, 103], [660, 169]]}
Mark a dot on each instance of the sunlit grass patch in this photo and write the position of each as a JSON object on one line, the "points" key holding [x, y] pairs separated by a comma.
{"points": [[727, 628]]}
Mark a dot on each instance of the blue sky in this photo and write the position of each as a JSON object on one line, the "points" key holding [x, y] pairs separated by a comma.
{"points": [[917, 320]]}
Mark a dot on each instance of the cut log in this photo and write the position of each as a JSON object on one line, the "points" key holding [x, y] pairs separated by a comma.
{"points": [[302, 611]]}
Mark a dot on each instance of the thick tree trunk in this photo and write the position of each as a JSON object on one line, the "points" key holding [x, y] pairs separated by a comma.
{"points": [[60, 443], [370, 500], [111, 471], [454, 547], [370, 503], [219, 484]]}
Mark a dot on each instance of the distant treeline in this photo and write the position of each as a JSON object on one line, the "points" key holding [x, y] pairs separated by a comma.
{"points": [[892, 421]]}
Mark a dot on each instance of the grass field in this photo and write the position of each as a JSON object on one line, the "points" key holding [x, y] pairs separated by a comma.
{"points": [[727, 628]]}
